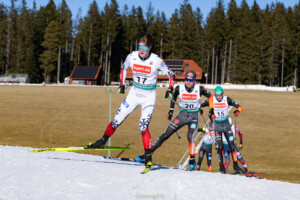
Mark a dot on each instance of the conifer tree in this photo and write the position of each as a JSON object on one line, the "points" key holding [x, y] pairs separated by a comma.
{"points": [[10, 36], [3, 26], [111, 29], [231, 26], [172, 44], [51, 45], [65, 21]]}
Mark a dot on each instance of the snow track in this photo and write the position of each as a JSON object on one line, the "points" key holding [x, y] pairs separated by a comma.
{"points": [[68, 175]]}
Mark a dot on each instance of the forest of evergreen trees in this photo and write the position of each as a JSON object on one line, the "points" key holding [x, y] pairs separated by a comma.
{"points": [[240, 44]]}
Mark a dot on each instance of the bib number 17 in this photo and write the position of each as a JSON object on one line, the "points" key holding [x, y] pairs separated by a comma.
{"points": [[141, 80]]}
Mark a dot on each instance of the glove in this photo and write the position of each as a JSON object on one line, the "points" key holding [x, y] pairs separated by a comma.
{"points": [[121, 89], [216, 146], [240, 146], [202, 129], [236, 112], [212, 115], [201, 112], [169, 94], [170, 114]]}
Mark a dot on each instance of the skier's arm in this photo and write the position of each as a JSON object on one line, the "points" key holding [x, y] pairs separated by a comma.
{"points": [[205, 103], [175, 95], [236, 105], [166, 70], [172, 104], [209, 96], [124, 68], [123, 73], [240, 136]]}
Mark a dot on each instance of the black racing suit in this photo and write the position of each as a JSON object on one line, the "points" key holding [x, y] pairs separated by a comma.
{"points": [[224, 127], [205, 148], [183, 118]]}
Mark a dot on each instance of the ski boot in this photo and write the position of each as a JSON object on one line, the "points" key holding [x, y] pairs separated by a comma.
{"points": [[226, 169], [98, 144], [140, 159], [245, 170], [209, 168], [222, 169], [192, 163], [237, 169], [198, 166], [148, 158]]}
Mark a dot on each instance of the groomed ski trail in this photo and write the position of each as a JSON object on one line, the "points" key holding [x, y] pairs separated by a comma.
{"points": [[69, 175]]}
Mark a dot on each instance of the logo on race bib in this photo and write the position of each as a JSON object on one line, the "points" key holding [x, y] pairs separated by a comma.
{"points": [[142, 69], [220, 105], [189, 96]]}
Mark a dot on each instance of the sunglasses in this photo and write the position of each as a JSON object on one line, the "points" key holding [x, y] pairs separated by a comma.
{"points": [[189, 80], [219, 95], [145, 48]]}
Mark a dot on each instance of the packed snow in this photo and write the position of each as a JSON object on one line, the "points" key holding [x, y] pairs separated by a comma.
{"points": [[68, 175]]}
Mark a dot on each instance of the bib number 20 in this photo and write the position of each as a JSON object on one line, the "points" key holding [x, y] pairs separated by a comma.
{"points": [[189, 106]]}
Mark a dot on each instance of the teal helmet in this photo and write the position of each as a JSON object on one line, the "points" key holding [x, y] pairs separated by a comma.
{"points": [[218, 90]]}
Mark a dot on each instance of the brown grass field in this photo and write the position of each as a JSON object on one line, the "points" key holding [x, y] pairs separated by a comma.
{"points": [[35, 116]]}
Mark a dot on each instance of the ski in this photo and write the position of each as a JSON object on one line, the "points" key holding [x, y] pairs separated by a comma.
{"points": [[120, 159], [256, 173], [76, 149], [147, 170], [129, 160], [234, 173], [258, 177]]}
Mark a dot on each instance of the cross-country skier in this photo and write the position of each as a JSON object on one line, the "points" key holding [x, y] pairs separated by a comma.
{"points": [[221, 124], [189, 95], [206, 146], [227, 150], [145, 66]]}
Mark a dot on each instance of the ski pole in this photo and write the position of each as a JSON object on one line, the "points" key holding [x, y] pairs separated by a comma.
{"points": [[216, 144], [123, 150], [177, 104], [178, 135], [234, 124], [205, 123], [181, 108]]}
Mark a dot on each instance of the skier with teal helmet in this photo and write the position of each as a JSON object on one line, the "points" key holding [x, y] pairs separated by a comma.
{"points": [[221, 125]]}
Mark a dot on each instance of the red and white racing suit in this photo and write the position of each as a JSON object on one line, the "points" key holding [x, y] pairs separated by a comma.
{"points": [[142, 93]]}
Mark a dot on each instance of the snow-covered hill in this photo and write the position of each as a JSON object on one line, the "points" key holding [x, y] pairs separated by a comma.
{"points": [[67, 175]]}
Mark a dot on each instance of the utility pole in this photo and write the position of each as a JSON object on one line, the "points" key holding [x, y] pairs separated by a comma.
{"points": [[110, 91]]}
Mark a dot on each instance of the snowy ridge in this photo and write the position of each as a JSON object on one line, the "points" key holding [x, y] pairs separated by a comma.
{"points": [[68, 175]]}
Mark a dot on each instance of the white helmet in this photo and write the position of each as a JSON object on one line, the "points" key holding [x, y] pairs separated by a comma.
{"points": [[230, 120]]}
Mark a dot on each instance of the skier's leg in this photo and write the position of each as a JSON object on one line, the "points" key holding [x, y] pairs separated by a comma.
{"points": [[147, 112], [218, 140], [126, 107], [218, 129], [226, 151], [209, 156], [201, 155], [192, 129], [240, 159], [174, 125], [230, 138]]}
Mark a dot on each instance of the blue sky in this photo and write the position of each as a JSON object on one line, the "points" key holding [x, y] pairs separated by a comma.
{"points": [[168, 6]]}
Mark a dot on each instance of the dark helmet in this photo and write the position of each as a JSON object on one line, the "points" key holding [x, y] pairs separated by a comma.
{"points": [[190, 75]]}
